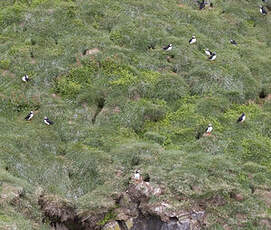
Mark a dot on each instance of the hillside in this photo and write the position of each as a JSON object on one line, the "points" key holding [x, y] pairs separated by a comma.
{"points": [[119, 103]]}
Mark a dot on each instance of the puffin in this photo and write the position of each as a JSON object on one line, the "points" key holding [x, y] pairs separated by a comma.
{"points": [[192, 40], [213, 56], [29, 116], [25, 78], [201, 4], [233, 42], [168, 47], [47, 121], [242, 118], [208, 52], [262, 10], [209, 129], [137, 175]]}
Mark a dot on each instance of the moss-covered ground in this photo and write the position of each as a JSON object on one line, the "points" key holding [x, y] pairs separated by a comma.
{"points": [[119, 102]]}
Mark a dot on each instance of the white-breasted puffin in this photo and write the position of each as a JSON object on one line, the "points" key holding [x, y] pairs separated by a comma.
{"points": [[168, 47], [29, 116], [233, 42], [208, 52], [25, 78], [262, 10], [47, 121], [192, 40], [209, 129], [137, 175], [242, 118], [213, 56], [202, 4]]}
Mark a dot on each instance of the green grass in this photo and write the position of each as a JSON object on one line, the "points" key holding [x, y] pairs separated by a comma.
{"points": [[149, 107]]}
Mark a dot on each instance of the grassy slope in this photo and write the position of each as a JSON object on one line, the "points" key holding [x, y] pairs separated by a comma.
{"points": [[153, 109]]}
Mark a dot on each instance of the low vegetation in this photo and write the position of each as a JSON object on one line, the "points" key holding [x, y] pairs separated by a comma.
{"points": [[120, 103]]}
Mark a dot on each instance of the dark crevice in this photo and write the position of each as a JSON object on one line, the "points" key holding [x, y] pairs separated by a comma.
{"points": [[100, 105], [151, 46], [122, 225], [147, 223], [174, 218], [147, 178], [262, 94], [252, 188], [198, 135], [85, 51]]}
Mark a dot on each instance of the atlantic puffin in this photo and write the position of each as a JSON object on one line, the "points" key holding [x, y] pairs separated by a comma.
{"points": [[262, 10], [242, 118], [201, 4], [47, 121], [25, 78], [233, 42], [168, 47], [137, 175], [208, 52], [209, 129], [213, 56], [192, 40], [29, 116]]}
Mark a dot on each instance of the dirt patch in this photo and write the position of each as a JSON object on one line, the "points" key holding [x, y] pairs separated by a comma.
{"points": [[10, 193], [91, 51], [8, 73], [265, 195], [268, 97]]}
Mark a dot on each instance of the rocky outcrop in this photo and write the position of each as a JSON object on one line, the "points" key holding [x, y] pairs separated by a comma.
{"points": [[135, 212], [132, 211], [61, 213], [10, 193]]}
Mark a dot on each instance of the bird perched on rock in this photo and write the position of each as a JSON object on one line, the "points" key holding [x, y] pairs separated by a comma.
{"points": [[29, 116], [47, 121], [25, 78], [137, 175], [208, 52], [209, 129], [233, 42], [213, 56], [262, 10], [242, 118], [193, 40], [168, 47]]}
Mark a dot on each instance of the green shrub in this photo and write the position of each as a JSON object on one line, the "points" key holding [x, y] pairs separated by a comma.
{"points": [[5, 63], [10, 15], [155, 137]]}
